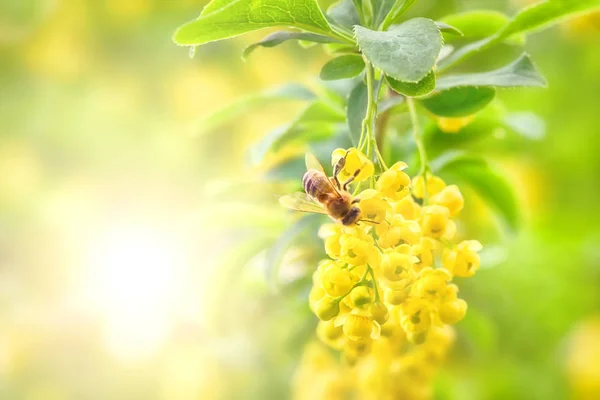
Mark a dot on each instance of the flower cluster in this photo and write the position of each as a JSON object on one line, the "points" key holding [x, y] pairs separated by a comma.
{"points": [[385, 297]]}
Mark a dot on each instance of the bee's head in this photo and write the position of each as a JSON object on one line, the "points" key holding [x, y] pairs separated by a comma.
{"points": [[351, 217]]}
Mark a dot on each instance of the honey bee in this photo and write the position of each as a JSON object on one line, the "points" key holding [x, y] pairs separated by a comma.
{"points": [[325, 195]]}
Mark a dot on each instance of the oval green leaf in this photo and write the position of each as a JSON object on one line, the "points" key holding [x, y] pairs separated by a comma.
{"points": [[405, 52], [343, 67], [357, 110], [459, 101], [521, 72], [222, 19], [412, 89]]}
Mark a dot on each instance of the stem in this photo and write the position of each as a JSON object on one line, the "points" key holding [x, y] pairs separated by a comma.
{"points": [[419, 141], [341, 34], [357, 284], [367, 135], [374, 283]]}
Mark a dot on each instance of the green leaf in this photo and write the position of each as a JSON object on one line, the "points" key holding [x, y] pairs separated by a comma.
{"points": [[406, 52], [535, 17], [381, 8], [344, 13], [356, 111], [520, 72], [222, 19], [277, 38], [477, 24], [412, 89], [342, 67], [444, 27], [399, 8], [459, 101], [526, 124], [487, 181], [241, 105], [543, 14]]}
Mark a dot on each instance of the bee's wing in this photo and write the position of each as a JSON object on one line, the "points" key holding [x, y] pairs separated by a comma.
{"points": [[313, 163], [301, 202]]}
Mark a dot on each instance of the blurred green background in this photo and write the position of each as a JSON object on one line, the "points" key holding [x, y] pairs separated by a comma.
{"points": [[126, 269]]}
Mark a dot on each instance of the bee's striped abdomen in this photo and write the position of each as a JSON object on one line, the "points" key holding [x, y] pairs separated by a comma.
{"points": [[316, 184]]}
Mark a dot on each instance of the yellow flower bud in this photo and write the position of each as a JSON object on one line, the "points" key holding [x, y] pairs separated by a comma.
{"points": [[336, 280], [358, 326], [463, 260], [394, 183], [434, 221], [329, 334], [355, 160], [435, 185], [315, 295], [451, 198], [361, 296], [454, 125], [395, 297], [452, 312], [359, 347], [327, 308], [379, 312]]}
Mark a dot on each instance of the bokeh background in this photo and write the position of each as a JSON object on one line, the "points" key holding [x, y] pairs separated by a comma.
{"points": [[132, 235]]}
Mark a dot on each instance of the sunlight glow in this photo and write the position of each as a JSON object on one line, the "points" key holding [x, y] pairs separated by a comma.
{"points": [[136, 280]]}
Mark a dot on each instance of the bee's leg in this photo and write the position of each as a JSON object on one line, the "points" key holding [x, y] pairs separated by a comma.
{"points": [[336, 170], [355, 201], [349, 181]]}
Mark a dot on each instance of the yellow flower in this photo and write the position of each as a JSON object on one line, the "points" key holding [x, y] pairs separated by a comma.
{"points": [[424, 252], [330, 334], [432, 283], [435, 185], [397, 265], [372, 206], [358, 326], [454, 125], [315, 295], [434, 221], [359, 249], [415, 315], [394, 183], [331, 234], [463, 260], [397, 232], [361, 296], [451, 198], [327, 308], [396, 296], [379, 312], [358, 347], [335, 280], [355, 161], [407, 207], [453, 311]]}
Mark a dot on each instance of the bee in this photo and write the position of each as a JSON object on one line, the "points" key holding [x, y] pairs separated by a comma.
{"points": [[325, 195]]}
